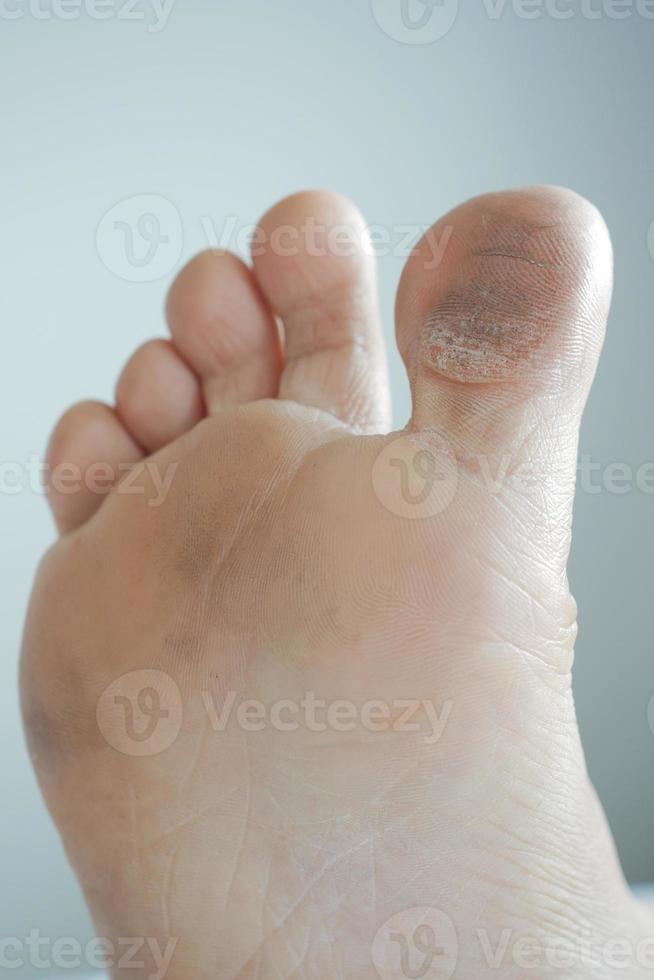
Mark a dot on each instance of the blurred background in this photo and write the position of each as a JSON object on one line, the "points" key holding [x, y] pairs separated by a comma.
{"points": [[136, 133]]}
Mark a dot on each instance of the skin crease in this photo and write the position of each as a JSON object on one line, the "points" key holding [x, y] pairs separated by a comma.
{"points": [[283, 562]]}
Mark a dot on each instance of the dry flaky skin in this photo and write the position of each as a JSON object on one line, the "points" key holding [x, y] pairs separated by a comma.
{"points": [[278, 567]]}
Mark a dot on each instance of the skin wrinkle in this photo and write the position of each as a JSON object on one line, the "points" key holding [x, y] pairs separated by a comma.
{"points": [[478, 253], [326, 326], [298, 904], [166, 890]]}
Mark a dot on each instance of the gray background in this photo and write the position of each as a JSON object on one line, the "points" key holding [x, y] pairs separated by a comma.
{"points": [[228, 108]]}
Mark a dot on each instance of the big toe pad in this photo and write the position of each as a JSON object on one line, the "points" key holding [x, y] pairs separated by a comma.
{"points": [[517, 291]]}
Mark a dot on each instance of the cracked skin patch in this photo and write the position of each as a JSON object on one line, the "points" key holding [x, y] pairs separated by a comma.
{"points": [[510, 279]]}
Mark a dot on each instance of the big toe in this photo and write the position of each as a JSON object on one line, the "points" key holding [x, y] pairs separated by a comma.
{"points": [[501, 330]]}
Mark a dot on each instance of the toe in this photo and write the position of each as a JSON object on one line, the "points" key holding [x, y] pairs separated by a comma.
{"points": [[157, 396], [501, 338], [223, 328], [312, 258], [90, 450]]}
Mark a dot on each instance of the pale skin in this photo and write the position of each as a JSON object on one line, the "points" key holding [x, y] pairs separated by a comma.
{"points": [[284, 559]]}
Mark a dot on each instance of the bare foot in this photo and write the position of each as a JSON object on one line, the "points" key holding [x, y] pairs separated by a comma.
{"points": [[297, 690]]}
